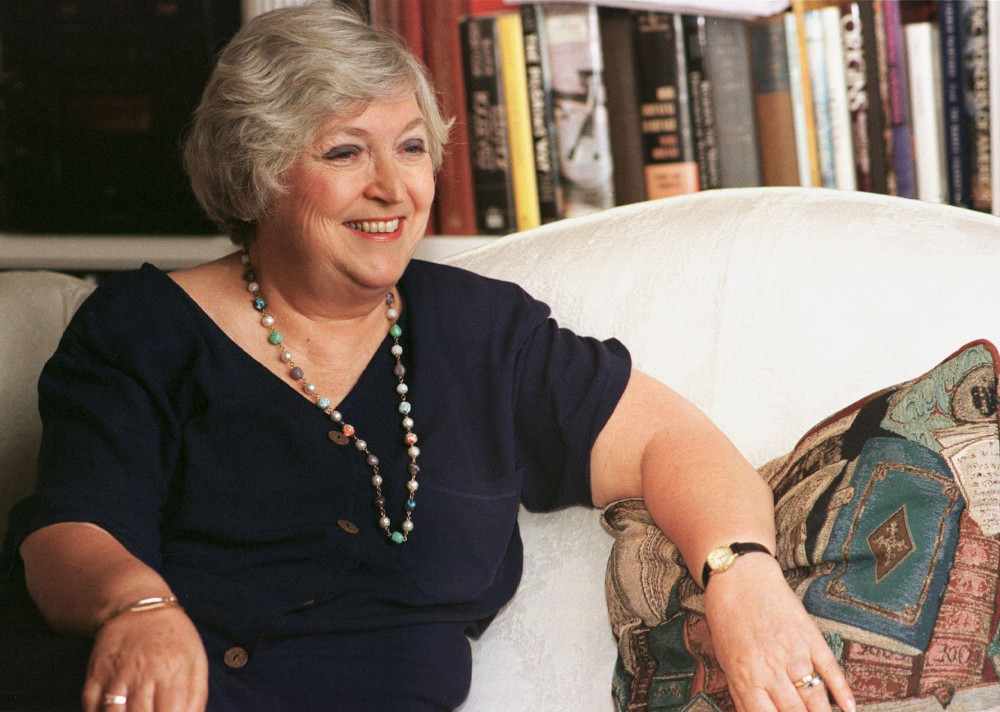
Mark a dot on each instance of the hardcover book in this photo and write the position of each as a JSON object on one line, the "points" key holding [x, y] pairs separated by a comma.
{"points": [[976, 51], [864, 97], [953, 91], [699, 80], [773, 108], [581, 113], [671, 166], [487, 126]]}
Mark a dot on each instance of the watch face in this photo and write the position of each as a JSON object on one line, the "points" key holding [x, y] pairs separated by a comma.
{"points": [[721, 558]]}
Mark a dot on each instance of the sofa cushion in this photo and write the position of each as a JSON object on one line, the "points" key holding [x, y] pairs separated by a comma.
{"points": [[34, 310], [888, 520]]}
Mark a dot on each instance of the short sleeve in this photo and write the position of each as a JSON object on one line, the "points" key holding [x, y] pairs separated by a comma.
{"points": [[567, 387]]}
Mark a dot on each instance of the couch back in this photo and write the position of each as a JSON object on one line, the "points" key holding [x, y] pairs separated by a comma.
{"points": [[769, 308]]}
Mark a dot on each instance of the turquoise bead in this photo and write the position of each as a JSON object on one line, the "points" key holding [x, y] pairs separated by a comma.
{"points": [[397, 538], [274, 337], [404, 407], [395, 331], [411, 504], [259, 303], [323, 403]]}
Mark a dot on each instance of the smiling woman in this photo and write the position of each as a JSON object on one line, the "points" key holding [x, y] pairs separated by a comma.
{"points": [[289, 479]]}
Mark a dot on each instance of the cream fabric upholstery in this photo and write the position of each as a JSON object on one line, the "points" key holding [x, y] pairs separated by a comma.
{"points": [[769, 308]]}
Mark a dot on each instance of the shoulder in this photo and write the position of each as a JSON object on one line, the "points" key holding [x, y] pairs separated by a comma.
{"points": [[454, 292]]}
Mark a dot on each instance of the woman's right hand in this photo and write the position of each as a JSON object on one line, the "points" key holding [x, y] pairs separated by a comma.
{"points": [[155, 660]]}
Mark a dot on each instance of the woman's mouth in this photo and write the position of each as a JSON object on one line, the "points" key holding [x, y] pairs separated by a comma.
{"points": [[375, 227]]}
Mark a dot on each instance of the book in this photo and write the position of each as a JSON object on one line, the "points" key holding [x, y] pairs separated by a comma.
{"points": [[816, 49], [543, 126], [953, 92], [581, 113], [924, 65], [863, 96], [618, 50], [898, 104], [772, 99], [842, 141], [975, 52], [802, 94], [699, 81], [520, 141], [455, 206], [728, 60], [669, 160], [487, 126]]}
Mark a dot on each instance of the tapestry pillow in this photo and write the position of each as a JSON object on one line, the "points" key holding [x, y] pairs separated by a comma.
{"points": [[888, 519]]}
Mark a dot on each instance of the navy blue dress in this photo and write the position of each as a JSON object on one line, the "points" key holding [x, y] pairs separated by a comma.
{"points": [[221, 476]]}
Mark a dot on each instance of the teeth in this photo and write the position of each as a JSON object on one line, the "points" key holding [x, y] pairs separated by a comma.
{"points": [[375, 225]]}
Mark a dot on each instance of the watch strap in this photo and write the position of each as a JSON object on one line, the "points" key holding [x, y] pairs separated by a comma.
{"points": [[738, 548]]}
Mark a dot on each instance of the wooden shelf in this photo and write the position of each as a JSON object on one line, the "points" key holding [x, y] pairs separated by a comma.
{"points": [[100, 253]]}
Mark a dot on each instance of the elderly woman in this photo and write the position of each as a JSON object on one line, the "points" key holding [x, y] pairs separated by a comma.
{"points": [[289, 479]]}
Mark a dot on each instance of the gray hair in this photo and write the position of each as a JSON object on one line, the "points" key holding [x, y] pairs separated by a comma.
{"points": [[278, 79]]}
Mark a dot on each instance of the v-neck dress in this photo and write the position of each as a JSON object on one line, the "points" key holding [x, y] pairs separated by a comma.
{"points": [[222, 476]]}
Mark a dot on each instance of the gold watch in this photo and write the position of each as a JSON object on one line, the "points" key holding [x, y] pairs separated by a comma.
{"points": [[722, 557]]}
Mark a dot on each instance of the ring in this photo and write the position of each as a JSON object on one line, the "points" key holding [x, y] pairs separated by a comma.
{"points": [[810, 680], [111, 700]]}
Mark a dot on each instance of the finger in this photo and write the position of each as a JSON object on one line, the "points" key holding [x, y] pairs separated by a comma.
{"points": [[813, 692], [836, 683]]}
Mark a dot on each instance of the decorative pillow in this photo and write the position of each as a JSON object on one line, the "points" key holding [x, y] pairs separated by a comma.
{"points": [[888, 516]]}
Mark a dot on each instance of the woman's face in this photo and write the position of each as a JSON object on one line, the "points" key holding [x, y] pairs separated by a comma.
{"points": [[358, 197]]}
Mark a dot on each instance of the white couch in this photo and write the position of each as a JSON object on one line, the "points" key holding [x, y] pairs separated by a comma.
{"points": [[769, 308]]}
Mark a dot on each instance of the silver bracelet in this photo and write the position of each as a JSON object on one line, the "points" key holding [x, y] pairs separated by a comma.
{"points": [[143, 604]]}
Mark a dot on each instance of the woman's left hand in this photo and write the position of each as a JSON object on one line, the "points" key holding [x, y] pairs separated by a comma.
{"points": [[766, 642]]}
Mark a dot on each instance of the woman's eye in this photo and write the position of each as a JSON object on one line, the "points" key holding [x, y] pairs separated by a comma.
{"points": [[342, 153], [415, 147]]}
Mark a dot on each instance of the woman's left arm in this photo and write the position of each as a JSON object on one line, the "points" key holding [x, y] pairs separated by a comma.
{"points": [[704, 494]]}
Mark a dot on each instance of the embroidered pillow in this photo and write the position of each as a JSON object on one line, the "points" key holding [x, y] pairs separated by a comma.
{"points": [[888, 515]]}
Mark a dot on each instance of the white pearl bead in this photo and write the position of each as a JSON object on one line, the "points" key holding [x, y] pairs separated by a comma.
{"points": [[309, 388], [413, 451], [406, 526], [392, 314], [336, 416], [253, 287], [402, 389], [286, 356], [412, 485], [376, 480], [384, 522], [407, 422], [360, 444], [245, 258], [267, 320], [396, 350]]}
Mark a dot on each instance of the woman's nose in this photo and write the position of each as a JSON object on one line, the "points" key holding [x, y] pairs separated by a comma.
{"points": [[385, 181]]}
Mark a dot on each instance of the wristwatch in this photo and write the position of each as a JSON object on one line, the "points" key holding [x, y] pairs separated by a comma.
{"points": [[722, 557]]}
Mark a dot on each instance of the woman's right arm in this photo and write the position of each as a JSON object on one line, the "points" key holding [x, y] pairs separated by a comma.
{"points": [[78, 575]]}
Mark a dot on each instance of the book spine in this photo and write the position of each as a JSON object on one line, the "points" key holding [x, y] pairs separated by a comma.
{"points": [[728, 61], [623, 105], [772, 97], [487, 124], [585, 160], [952, 84], [513, 73], [816, 46], [456, 207], [899, 101], [802, 108], [706, 144], [976, 51], [669, 161], [543, 129], [840, 115], [924, 65], [863, 96], [801, 71]]}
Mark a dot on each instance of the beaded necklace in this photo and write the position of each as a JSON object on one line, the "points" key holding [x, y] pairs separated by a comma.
{"points": [[347, 431]]}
